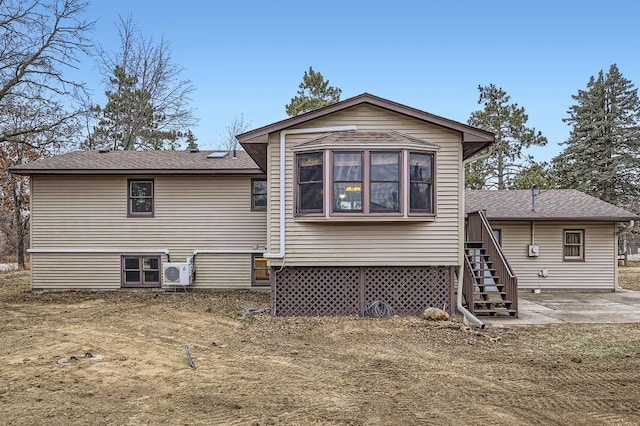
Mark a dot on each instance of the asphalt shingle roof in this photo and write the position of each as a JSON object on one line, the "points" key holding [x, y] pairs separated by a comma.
{"points": [[557, 204], [138, 162]]}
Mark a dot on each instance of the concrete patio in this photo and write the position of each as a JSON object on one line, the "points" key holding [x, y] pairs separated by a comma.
{"points": [[622, 306]]}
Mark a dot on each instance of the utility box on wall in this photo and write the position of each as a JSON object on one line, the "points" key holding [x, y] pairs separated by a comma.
{"points": [[533, 250]]}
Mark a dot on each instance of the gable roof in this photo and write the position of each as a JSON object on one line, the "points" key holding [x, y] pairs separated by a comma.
{"points": [[140, 162], [255, 141], [551, 205]]}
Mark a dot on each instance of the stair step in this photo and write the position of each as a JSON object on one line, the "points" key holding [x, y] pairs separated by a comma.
{"points": [[473, 244], [490, 293], [493, 312], [492, 302]]}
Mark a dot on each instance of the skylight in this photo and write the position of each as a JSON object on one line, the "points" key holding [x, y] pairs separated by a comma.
{"points": [[218, 154]]}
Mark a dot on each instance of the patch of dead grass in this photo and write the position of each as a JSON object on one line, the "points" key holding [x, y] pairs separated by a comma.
{"points": [[629, 277]]}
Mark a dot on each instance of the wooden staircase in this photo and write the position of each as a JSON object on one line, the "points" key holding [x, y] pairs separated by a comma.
{"points": [[490, 295], [490, 286]]}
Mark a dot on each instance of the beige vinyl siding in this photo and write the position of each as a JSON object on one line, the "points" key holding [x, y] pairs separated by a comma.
{"points": [[75, 271], [597, 272], [373, 243], [191, 212]]}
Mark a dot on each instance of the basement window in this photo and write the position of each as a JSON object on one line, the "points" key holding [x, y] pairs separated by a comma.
{"points": [[260, 271], [140, 271]]}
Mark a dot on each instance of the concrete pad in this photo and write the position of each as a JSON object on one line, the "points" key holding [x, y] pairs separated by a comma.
{"points": [[573, 307]]}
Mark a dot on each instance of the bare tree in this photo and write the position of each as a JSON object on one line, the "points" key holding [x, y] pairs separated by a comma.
{"points": [[40, 107], [236, 127], [142, 77], [39, 41]]}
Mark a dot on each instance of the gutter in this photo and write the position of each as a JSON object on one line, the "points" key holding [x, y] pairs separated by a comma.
{"points": [[100, 250]]}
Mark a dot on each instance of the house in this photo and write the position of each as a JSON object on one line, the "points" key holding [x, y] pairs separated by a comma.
{"points": [[111, 219], [356, 202], [554, 240]]}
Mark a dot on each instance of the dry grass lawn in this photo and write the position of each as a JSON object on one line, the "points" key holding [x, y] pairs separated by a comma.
{"points": [[629, 277], [258, 370]]}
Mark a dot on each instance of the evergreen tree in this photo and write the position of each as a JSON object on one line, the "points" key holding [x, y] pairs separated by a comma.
{"points": [[602, 154], [128, 120], [191, 140], [313, 93], [539, 174], [148, 101], [508, 122]]}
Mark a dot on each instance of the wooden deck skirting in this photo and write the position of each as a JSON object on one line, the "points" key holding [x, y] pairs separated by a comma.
{"points": [[321, 291]]}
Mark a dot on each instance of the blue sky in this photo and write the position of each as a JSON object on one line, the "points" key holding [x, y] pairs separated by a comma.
{"points": [[248, 57]]}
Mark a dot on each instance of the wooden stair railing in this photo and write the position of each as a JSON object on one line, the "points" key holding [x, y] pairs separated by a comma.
{"points": [[490, 286]]}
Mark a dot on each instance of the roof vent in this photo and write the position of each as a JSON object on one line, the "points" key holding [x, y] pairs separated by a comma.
{"points": [[218, 154], [194, 150], [103, 150]]}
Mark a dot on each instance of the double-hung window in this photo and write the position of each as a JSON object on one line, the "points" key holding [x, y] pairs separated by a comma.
{"points": [[310, 182], [574, 245], [384, 178], [258, 194], [347, 182], [140, 198], [420, 182]]}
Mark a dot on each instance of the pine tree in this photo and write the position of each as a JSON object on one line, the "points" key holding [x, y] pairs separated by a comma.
{"points": [[602, 154], [128, 120], [313, 93], [508, 122], [191, 140], [539, 174]]}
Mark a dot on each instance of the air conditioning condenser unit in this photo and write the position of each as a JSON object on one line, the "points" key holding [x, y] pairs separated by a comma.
{"points": [[174, 273]]}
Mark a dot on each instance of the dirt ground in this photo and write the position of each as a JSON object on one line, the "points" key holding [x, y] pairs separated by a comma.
{"points": [[258, 370]]}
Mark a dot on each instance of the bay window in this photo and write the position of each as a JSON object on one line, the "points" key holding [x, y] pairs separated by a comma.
{"points": [[347, 182], [310, 182], [385, 182], [420, 183], [382, 182]]}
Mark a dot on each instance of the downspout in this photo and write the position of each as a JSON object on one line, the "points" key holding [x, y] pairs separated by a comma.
{"points": [[467, 316], [283, 152]]}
